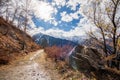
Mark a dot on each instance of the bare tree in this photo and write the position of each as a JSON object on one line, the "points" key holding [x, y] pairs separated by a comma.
{"points": [[13, 12], [26, 11], [16, 11], [106, 18], [4, 7]]}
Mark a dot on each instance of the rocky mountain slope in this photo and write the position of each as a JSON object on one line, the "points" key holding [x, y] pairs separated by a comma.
{"points": [[46, 40], [13, 40]]}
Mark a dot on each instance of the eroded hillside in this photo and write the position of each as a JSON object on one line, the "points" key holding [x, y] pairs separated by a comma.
{"points": [[13, 40]]}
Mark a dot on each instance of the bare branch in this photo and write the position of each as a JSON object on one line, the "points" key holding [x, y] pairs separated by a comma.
{"points": [[113, 2], [118, 21]]}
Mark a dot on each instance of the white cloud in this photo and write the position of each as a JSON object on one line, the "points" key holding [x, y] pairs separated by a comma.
{"points": [[55, 32], [36, 31], [44, 10], [66, 17], [74, 15], [59, 3], [86, 25], [73, 4], [54, 22]]}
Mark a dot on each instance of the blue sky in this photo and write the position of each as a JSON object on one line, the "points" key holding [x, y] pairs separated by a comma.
{"points": [[66, 26], [59, 18]]}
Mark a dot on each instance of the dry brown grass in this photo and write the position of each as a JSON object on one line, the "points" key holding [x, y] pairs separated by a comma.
{"points": [[110, 57], [65, 72], [113, 70], [12, 40]]}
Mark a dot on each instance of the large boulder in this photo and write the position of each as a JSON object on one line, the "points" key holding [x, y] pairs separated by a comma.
{"points": [[90, 62], [86, 59]]}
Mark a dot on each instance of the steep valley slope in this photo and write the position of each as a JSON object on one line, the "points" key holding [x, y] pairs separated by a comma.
{"points": [[13, 41]]}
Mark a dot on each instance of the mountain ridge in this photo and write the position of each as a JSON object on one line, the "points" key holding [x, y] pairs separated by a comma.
{"points": [[51, 41]]}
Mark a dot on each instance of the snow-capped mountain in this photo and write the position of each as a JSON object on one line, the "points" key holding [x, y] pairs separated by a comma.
{"points": [[46, 40], [55, 34], [76, 39]]}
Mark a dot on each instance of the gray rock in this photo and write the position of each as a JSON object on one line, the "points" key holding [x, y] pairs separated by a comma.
{"points": [[86, 59]]}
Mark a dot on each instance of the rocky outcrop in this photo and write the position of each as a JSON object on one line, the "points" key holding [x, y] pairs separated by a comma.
{"points": [[90, 62], [86, 59]]}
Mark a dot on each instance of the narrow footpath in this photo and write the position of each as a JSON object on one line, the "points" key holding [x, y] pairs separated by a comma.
{"points": [[27, 68]]}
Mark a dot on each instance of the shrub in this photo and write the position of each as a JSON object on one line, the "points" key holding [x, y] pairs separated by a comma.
{"points": [[57, 52]]}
